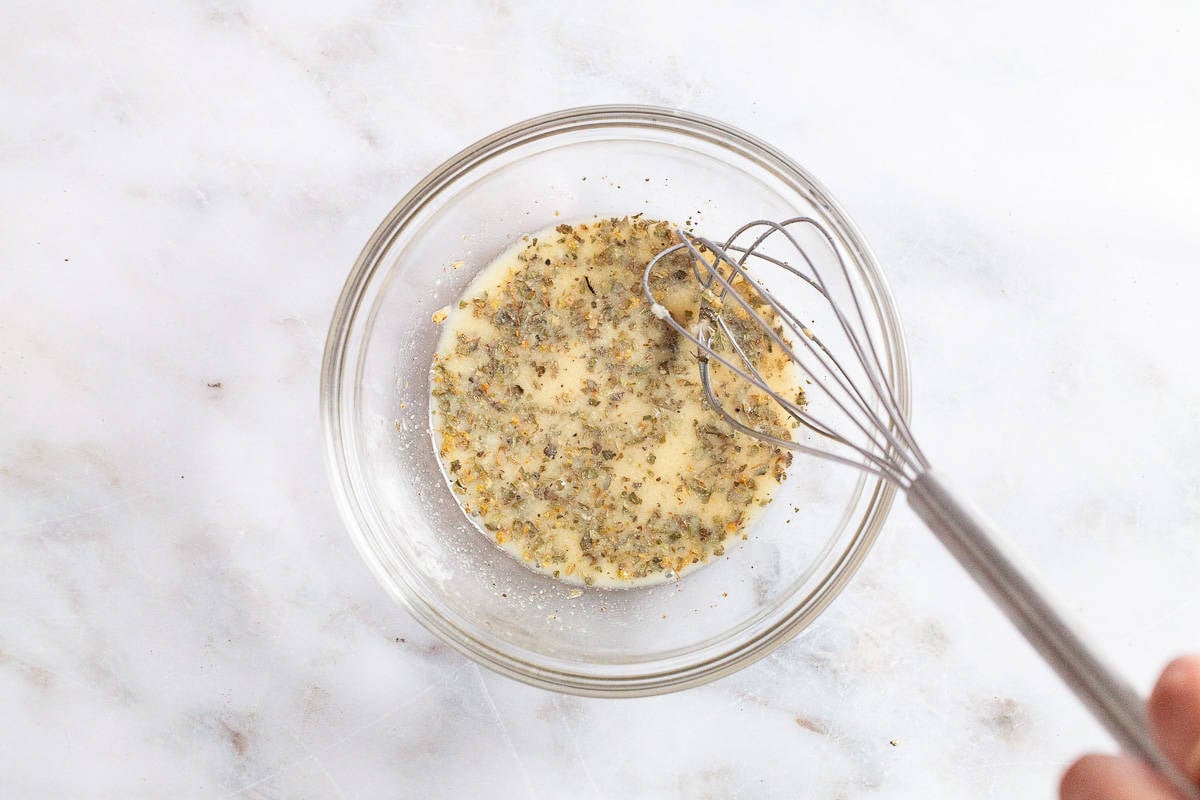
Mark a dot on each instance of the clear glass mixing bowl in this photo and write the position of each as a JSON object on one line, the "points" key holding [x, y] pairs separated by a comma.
{"points": [[570, 166]]}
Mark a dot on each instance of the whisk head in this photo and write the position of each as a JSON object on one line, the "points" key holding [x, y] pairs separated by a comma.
{"points": [[775, 276]]}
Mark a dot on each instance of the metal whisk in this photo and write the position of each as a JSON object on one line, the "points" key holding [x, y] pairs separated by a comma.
{"points": [[859, 421]]}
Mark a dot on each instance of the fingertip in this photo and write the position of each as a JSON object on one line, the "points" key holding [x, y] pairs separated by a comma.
{"points": [[1098, 777], [1174, 711], [1084, 778], [1179, 680]]}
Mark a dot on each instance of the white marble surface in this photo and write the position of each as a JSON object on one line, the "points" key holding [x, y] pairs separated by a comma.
{"points": [[183, 187]]}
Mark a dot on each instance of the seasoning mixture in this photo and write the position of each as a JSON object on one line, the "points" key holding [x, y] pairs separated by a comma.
{"points": [[571, 422]]}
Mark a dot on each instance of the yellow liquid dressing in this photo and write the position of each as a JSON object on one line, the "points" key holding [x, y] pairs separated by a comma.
{"points": [[570, 420]]}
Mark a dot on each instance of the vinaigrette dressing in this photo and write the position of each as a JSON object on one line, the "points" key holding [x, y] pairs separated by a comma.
{"points": [[570, 420]]}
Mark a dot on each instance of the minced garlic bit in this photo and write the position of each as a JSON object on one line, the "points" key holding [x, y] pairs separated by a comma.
{"points": [[571, 422]]}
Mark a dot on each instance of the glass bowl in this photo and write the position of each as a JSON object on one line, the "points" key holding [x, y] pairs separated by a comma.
{"points": [[566, 167]]}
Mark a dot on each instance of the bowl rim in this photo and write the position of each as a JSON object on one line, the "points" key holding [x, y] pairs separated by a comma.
{"points": [[334, 371]]}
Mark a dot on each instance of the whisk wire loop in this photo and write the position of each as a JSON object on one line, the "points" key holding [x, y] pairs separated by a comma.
{"points": [[877, 467], [872, 365], [868, 460], [809, 339], [886, 447], [815, 347]]}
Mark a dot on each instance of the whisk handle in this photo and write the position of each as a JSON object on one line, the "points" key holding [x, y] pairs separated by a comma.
{"points": [[977, 546]]}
